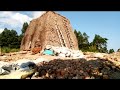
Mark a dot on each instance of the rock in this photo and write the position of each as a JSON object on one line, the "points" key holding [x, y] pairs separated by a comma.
{"points": [[10, 66], [7, 67], [3, 72], [27, 66], [24, 64]]}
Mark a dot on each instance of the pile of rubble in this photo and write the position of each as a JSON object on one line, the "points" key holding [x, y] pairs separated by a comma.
{"points": [[78, 69], [63, 52]]}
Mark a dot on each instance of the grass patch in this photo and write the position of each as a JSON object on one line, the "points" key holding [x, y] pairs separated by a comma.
{"points": [[8, 50]]}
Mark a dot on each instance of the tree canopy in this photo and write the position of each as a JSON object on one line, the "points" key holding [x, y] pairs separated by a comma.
{"points": [[99, 44], [10, 38], [25, 26], [118, 50], [83, 42], [111, 51]]}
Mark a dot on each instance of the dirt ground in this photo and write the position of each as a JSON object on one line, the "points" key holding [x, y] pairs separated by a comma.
{"points": [[115, 57], [27, 55]]}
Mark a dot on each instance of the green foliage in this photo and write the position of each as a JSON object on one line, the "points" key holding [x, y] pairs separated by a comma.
{"points": [[23, 30], [99, 44], [14, 50], [111, 51], [10, 41], [7, 49], [118, 50], [20, 39], [83, 42], [25, 26], [9, 38], [92, 48]]}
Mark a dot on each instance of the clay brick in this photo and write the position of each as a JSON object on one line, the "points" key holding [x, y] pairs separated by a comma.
{"points": [[49, 29]]}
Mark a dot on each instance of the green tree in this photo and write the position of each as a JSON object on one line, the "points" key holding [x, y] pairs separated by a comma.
{"points": [[79, 38], [100, 43], [85, 38], [83, 42], [118, 50], [9, 38], [75, 32], [25, 26], [111, 51]]}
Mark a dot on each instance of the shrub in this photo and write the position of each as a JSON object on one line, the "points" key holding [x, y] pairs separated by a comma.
{"points": [[8, 50], [5, 50]]}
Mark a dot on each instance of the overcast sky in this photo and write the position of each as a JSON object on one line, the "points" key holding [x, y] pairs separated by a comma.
{"points": [[106, 24]]}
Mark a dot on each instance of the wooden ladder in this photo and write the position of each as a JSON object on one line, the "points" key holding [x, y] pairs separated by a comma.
{"points": [[68, 34], [62, 40]]}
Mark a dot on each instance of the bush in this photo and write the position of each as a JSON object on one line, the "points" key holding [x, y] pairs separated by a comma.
{"points": [[14, 50], [8, 50], [111, 51], [5, 50]]}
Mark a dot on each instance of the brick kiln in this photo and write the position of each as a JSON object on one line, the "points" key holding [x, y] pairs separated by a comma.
{"points": [[49, 29]]}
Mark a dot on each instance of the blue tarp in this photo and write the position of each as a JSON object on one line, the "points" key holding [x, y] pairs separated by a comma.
{"points": [[48, 52]]}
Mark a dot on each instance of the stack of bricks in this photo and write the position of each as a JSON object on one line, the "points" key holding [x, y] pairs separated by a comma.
{"points": [[49, 29]]}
